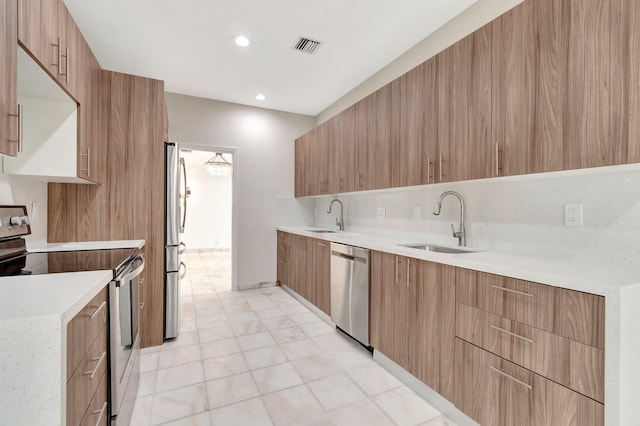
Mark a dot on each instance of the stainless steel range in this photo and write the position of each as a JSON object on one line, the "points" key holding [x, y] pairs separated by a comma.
{"points": [[124, 297]]}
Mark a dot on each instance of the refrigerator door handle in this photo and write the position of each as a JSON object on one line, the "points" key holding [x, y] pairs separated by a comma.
{"points": [[181, 247], [187, 192], [183, 268]]}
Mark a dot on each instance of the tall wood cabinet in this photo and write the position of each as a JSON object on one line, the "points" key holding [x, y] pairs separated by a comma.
{"points": [[8, 83], [133, 188]]}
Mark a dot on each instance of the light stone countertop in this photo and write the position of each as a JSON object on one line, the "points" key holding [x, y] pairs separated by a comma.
{"points": [[42, 246], [602, 279]]}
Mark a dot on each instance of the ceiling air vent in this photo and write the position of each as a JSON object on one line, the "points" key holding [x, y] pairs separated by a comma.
{"points": [[307, 45]]}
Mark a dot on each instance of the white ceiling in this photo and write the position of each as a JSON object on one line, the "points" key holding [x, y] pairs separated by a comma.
{"points": [[188, 44]]}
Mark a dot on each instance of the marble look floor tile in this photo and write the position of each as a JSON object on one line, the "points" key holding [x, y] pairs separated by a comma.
{"points": [[289, 334], [277, 323], [147, 383], [179, 355], [374, 379], [141, 415], [211, 322], [255, 341], [208, 304], [223, 366], [293, 406], [229, 390], [351, 359], [237, 309], [178, 403], [211, 314], [275, 378], [336, 391], [439, 421], [270, 313], [219, 348], [179, 376], [215, 333], [149, 361], [242, 317], [315, 367], [360, 413], [300, 349], [304, 318], [202, 419], [334, 342], [189, 325], [250, 327], [262, 304], [317, 328], [185, 338], [405, 407], [264, 357], [187, 316], [251, 412]]}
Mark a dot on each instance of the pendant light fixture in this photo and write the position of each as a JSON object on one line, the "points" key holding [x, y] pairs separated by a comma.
{"points": [[218, 165]]}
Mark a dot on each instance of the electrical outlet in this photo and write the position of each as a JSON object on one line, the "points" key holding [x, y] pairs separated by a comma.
{"points": [[34, 211], [573, 215], [417, 213], [382, 212]]}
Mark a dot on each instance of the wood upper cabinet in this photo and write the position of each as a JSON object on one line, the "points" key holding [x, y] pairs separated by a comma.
{"points": [[322, 154], [8, 83], [38, 32], [342, 151], [495, 392], [464, 108], [92, 122], [301, 171], [373, 140]]}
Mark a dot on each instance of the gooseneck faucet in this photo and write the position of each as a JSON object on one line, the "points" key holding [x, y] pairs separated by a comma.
{"points": [[460, 234], [339, 222]]}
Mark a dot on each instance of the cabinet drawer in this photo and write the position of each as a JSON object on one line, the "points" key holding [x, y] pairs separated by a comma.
{"points": [[572, 314], [572, 364], [493, 391], [83, 329], [84, 382], [97, 412]]}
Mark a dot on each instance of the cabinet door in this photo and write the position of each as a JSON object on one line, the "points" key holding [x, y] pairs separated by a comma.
{"points": [[38, 31], [72, 75], [320, 159], [8, 73], [383, 278], [342, 151], [322, 275], [374, 130], [93, 129], [301, 170], [464, 114], [282, 267]]}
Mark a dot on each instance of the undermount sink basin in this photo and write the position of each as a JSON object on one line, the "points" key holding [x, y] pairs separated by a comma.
{"points": [[439, 249], [321, 231]]}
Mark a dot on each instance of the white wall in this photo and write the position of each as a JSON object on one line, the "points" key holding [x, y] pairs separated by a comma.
{"points": [[208, 224], [522, 214], [479, 14], [264, 166]]}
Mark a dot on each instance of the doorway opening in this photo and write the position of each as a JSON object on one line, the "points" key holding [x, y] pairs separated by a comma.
{"points": [[209, 218]]}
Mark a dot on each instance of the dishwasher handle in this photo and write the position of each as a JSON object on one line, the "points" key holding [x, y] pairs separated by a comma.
{"points": [[348, 257]]}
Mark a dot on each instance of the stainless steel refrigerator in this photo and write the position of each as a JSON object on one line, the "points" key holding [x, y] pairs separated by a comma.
{"points": [[176, 194]]}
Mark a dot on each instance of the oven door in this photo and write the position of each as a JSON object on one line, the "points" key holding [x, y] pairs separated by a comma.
{"points": [[124, 302]]}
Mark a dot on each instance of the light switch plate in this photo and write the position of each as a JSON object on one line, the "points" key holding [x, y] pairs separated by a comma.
{"points": [[417, 213], [573, 215], [382, 212]]}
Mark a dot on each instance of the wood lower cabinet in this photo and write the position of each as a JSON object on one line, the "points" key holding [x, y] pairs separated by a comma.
{"points": [[412, 317], [87, 358], [8, 82], [493, 391], [285, 266], [322, 274]]}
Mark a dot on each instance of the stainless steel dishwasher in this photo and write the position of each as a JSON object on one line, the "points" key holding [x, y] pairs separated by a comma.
{"points": [[350, 290]]}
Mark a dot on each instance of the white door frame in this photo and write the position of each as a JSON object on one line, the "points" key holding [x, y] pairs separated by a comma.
{"points": [[234, 197]]}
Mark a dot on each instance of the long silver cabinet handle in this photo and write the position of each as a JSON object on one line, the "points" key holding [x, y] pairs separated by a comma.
{"points": [[95, 370], [517, 336], [440, 168], [508, 290], [19, 116], [59, 64], [396, 269], [408, 265], [101, 411], [97, 311], [502, 373], [497, 159], [66, 61]]}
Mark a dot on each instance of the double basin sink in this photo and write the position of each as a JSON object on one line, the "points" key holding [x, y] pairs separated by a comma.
{"points": [[418, 246]]}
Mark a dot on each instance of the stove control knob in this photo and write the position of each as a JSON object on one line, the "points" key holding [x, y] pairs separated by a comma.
{"points": [[25, 220], [15, 220]]}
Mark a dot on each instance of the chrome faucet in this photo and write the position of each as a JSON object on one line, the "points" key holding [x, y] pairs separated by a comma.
{"points": [[460, 234], [339, 222]]}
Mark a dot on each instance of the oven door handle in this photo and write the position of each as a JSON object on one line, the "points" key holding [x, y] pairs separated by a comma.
{"points": [[131, 275]]}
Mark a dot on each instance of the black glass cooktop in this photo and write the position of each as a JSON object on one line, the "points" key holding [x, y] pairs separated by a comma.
{"points": [[65, 261]]}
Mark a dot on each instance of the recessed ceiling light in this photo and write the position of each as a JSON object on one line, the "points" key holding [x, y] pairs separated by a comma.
{"points": [[241, 41], [261, 97]]}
